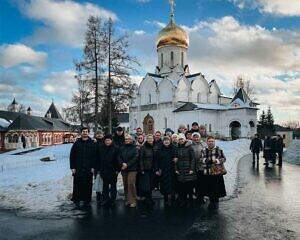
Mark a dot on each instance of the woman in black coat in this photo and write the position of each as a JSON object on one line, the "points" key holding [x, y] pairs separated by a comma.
{"points": [[165, 168], [146, 169]]}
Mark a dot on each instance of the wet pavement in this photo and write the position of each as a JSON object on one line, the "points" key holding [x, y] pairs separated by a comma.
{"points": [[266, 205]]}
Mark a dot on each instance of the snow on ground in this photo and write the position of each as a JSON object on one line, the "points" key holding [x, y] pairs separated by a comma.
{"points": [[38, 187], [292, 153]]}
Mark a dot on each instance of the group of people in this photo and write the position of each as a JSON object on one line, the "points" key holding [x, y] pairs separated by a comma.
{"points": [[271, 148], [182, 166]]}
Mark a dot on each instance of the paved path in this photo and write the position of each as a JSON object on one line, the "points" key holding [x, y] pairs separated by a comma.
{"points": [[266, 206]]}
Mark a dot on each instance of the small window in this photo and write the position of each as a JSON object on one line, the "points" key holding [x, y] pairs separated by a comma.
{"points": [[149, 98], [166, 122], [210, 128], [199, 97], [182, 58], [172, 59], [161, 60]]}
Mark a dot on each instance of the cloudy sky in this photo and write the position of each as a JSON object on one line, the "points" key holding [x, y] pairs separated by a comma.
{"points": [[259, 39]]}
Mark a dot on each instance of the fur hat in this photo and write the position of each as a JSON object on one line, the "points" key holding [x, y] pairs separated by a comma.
{"points": [[181, 136]]}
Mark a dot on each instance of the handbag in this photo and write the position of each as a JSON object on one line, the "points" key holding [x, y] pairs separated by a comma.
{"points": [[98, 183], [218, 169]]}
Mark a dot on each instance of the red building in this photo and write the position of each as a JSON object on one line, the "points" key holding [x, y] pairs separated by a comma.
{"points": [[37, 131]]}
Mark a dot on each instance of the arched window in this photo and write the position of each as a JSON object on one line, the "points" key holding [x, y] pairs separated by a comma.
{"points": [[182, 58], [161, 60], [172, 58], [199, 97]]}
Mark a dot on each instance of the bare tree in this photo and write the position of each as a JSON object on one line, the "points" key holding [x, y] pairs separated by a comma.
{"points": [[242, 82], [292, 124]]}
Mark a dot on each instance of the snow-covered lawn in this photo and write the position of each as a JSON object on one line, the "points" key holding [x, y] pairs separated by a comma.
{"points": [[43, 187], [292, 153]]}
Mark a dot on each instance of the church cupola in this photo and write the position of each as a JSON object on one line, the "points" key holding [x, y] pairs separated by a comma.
{"points": [[14, 106], [172, 44], [29, 111]]}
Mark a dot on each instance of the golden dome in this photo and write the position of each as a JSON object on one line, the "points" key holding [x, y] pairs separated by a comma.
{"points": [[172, 35]]}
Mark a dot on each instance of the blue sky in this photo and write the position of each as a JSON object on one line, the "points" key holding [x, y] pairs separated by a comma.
{"points": [[259, 39]]}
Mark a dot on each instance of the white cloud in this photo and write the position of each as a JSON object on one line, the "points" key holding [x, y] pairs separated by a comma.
{"points": [[61, 84], [276, 7], [139, 32], [156, 23], [15, 54], [63, 21]]}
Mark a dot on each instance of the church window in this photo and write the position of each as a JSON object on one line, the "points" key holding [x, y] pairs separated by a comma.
{"points": [[199, 97], [182, 58], [161, 60], [172, 59], [166, 122], [149, 96]]}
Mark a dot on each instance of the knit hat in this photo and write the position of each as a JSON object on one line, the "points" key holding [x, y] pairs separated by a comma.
{"points": [[119, 129], [169, 130], [182, 126], [196, 134], [181, 136], [195, 124], [108, 136]]}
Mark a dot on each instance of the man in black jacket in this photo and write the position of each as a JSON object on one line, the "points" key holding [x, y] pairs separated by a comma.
{"points": [[82, 162], [119, 138], [108, 165], [279, 149], [256, 147]]}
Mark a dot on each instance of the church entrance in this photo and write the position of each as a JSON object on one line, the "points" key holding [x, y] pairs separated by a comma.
{"points": [[235, 130], [148, 124]]}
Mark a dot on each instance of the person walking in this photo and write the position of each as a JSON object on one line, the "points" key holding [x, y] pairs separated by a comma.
{"points": [[82, 164], [129, 162], [256, 147], [198, 145], [185, 170], [214, 184], [269, 150], [279, 149], [108, 164], [165, 168]]}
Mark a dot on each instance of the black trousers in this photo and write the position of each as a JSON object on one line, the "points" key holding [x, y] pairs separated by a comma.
{"points": [[279, 158], [82, 188], [109, 191], [257, 156]]}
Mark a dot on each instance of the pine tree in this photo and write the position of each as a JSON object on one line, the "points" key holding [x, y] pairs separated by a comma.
{"points": [[262, 119]]}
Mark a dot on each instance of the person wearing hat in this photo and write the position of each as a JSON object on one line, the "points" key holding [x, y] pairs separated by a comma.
{"points": [[99, 142], [198, 145], [174, 139], [82, 164], [185, 170], [108, 164], [195, 127], [119, 139], [169, 132], [165, 168], [203, 132], [182, 128]]}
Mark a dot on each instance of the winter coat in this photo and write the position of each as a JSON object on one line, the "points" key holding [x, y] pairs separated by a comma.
{"points": [[146, 158], [269, 149], [82, 157], [279, 145], [119, 140], [209, 155], [197, 149], [108, 163], [166, 166], [129, 155], [157, 145], [185, 163], [213, 185], [256, 145]]}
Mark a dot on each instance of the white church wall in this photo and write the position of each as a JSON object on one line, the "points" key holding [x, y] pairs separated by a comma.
{"points": [[179, 56], [200, 90], [165, 91], [147, 91], [182, 92], [214, 94]]}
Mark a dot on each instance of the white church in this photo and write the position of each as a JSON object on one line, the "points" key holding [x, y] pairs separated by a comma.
{"points": [[173, 95]]}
